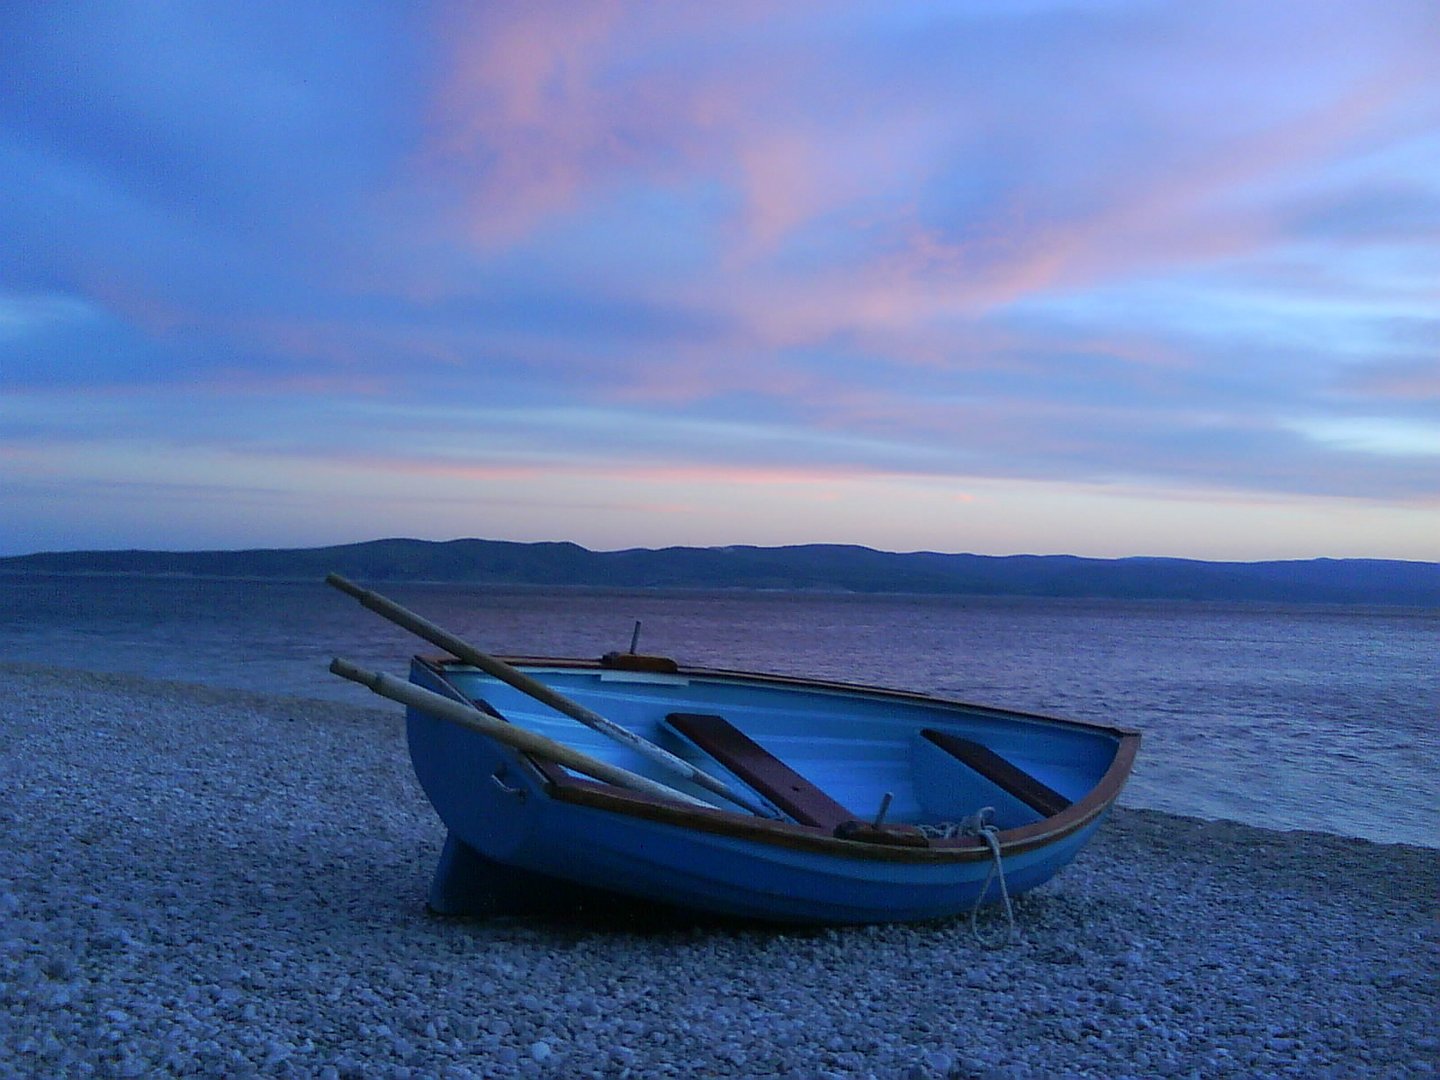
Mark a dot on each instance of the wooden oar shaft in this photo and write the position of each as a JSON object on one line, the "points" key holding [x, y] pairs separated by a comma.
{"points": [[530, 742], [494, 666]]}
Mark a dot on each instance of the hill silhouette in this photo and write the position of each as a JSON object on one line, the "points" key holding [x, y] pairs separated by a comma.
{"points": [[821, 567]]}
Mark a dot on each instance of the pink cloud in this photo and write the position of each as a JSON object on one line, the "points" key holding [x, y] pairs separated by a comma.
{"points": [[519, 120], [445, 468], [1203, 207], [620, 471], [247, 381], [781, 180], [139, 305], [545, 111], [748, 475], [1414, 383], [544, 108]]}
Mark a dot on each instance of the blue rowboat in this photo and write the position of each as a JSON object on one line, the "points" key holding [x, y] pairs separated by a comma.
{"points": [[861, 789]]}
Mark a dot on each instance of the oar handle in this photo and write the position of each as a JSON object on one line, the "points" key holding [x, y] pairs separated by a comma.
{"points": [[345, 585], [531, 742], [491, 665], [497, 668]]}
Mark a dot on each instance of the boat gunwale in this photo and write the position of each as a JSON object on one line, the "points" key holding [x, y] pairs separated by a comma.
{"points": [[565, 787], [834, 685]]}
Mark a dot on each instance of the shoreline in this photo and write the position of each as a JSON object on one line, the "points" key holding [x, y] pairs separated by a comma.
{"points": [[370, 709], [829, 592], [205, 881]]}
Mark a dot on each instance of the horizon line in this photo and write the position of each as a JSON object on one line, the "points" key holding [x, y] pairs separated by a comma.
{"points": [[716, 547]]}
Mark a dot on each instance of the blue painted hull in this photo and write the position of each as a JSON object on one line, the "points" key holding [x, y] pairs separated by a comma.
{"points": [[517, 827]]}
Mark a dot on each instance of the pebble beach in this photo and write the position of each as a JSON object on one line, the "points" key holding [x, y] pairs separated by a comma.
{"points": [[211, 883]]}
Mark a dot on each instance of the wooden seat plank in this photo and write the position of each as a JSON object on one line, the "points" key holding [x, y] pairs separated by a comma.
{"points": [[762, 770], [1001, 772]]}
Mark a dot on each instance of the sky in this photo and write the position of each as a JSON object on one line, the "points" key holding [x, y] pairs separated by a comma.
{"points": [[1101, 277]]}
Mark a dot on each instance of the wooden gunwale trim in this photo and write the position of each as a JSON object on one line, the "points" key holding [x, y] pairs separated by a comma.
{"points": [[599, 796], [801, 837], [835, 685], [564, 787]]}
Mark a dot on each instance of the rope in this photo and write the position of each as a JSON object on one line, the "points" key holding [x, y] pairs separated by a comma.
{"points": [[992, 837], [966, 826], [979, 825]]}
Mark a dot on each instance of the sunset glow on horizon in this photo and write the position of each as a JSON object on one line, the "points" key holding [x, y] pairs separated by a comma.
{"points": [[1114, 278]]}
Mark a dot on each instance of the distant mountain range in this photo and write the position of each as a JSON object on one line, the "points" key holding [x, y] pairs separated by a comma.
{"points": [[813, 567]]}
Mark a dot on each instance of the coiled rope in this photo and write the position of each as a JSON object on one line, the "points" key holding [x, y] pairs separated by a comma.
{"points": [[979, 825]]}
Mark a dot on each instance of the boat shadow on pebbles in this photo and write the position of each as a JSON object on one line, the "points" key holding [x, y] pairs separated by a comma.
{"points": [[587, 913]]}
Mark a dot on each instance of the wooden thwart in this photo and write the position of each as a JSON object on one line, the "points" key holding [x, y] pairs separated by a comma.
{"points": [[1017, 782], [762, 770]]}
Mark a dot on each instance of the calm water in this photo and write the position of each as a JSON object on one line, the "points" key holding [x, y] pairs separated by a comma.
{"points": [[1290, 717]]}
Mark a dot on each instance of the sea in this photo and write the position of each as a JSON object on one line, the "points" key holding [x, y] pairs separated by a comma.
{"points": [[1305, 717]]}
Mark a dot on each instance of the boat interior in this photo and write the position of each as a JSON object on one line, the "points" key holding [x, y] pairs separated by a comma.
{"points": [[911, 759]]}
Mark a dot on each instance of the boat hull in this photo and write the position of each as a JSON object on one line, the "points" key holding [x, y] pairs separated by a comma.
{"points": [[516, 828]]}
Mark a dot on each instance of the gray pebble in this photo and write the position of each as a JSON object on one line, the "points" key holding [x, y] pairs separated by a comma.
{"points": [[262, 915]]}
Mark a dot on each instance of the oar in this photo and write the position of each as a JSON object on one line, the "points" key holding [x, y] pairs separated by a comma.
{"points": [[540, 692], [530, 742]]}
